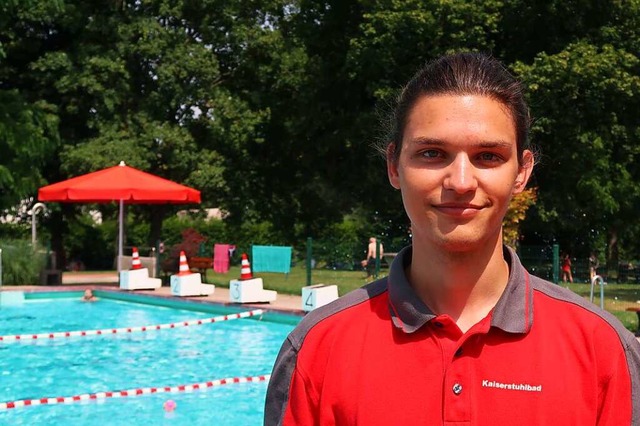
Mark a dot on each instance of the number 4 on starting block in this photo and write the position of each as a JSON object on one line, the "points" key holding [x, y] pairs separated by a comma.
{"points": [[318, 295]]}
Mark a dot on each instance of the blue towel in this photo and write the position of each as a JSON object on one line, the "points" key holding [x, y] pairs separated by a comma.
{"points": [[271, 259]]}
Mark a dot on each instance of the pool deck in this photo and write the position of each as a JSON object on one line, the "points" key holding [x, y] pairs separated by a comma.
{"points": [[285, 303]]}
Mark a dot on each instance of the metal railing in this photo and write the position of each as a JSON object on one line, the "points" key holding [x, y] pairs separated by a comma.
{"points": [[597, 279]]}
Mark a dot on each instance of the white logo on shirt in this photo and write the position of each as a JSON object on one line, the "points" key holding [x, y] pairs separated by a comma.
{"points": [[512, 386]]}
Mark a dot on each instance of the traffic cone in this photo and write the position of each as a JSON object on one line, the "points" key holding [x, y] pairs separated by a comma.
{"points": [[135, 259], [184, 266], [245, 270]]}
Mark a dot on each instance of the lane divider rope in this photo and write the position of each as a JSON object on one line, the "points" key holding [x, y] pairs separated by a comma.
{"points": [[130, 392], [82, 333]]}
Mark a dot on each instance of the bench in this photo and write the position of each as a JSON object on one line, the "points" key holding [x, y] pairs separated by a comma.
{"points": [[201, 264], [637, 311]]}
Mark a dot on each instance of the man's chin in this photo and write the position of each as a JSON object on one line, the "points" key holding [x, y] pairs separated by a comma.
{"points": [[460, 243]]}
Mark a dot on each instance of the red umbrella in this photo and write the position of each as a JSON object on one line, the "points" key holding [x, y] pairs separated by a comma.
{"points": [[119, 183]]}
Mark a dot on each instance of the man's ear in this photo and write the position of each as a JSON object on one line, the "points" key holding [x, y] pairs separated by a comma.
{"points": [[524, 173], [392, 167]]}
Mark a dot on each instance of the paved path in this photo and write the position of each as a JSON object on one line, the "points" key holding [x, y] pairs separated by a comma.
{"points": [[89, 277]]}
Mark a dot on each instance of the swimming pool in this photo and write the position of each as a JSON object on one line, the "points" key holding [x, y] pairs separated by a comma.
{"points": [[157, 358]]}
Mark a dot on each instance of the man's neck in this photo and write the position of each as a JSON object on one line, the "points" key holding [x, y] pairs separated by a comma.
{"points": [[465, 286]]}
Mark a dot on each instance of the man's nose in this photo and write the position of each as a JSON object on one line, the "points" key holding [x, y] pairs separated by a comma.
{"points": [[461, 175]]}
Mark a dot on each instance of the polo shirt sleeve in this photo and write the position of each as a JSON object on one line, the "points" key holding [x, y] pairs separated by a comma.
{"points": [[619, 398], [302, 408], [291, 399]]}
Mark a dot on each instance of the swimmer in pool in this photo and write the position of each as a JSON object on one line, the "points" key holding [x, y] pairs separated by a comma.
{"points": [[88, 296]]}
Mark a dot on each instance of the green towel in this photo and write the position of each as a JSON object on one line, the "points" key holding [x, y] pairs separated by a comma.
{"points": [[271, 259]]}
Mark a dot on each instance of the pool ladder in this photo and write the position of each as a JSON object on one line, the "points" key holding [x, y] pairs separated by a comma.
{"points": [[597, 279]]}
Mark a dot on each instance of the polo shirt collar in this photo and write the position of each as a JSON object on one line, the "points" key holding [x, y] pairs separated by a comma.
{"points": [[513, 313]]}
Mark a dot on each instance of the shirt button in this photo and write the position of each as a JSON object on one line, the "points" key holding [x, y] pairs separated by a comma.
{"points": [[457, 388]]}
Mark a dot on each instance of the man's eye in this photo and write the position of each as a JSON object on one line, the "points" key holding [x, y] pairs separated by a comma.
{"points": [[431, 153], [488, 156]]}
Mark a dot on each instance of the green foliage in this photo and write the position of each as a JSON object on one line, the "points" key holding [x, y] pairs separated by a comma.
{"points": [[270, 107], [394, 38], [28, 135], [90, 244], [11, 231], [21, 265], [216, 231], [587, 98], [341, 245]]}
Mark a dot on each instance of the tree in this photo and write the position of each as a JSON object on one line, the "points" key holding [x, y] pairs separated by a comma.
{"points": [[28, 123], [587, 98], [133, 81], [270, 107], [516, 213]]}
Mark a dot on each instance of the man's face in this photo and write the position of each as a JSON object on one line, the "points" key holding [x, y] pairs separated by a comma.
{"points": [[458, 169]]}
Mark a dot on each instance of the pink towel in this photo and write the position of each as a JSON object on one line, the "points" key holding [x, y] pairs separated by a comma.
{"points": [[221, 257]]}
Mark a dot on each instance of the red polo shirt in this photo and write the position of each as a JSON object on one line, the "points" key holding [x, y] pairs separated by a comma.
{"points": [[379, 356]]}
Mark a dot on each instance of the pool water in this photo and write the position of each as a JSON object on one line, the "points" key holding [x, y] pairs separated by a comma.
{"points": [[157, 358]]}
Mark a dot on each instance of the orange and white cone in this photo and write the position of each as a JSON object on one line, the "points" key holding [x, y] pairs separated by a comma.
{"points": [[184, 266], [135, 259], [245, 269]]}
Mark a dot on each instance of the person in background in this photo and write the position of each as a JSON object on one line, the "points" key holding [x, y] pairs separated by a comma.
{"points": [[593, 266], [459, 332], [369, 264], [88, 296], [566, 269]]}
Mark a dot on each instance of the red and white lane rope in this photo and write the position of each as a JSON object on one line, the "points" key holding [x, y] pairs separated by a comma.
{"points": [[130, 392], [22, 337]]}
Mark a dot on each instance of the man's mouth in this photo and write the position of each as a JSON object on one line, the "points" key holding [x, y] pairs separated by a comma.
{"points": [[459, 209]]}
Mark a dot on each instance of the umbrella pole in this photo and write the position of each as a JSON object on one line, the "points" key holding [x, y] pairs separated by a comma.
{"points": [[120, 234]]}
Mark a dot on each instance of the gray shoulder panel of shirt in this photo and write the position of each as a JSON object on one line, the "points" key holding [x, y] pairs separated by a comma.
{"points": [[563, 294], [349, 300], [629, 343]]}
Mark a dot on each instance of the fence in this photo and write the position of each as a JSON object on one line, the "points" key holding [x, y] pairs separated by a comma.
{"points": [[541, 261]]}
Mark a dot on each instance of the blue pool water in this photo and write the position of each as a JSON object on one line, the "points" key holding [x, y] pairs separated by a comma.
{"points": [[185, 355]]}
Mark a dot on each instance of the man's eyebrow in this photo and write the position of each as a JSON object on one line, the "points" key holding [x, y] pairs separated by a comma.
{"points": [[500, 144], [495, 144], [427, 141]]}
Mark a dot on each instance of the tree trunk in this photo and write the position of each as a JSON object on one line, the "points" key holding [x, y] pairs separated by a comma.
{"points": [[58, 228], [156, 217]]}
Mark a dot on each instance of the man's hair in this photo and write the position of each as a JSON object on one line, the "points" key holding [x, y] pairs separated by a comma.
{"points": [[461, 74]]}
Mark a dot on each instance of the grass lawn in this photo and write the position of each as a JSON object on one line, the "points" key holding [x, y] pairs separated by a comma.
{"points": [[293, 282], [618, 297]]}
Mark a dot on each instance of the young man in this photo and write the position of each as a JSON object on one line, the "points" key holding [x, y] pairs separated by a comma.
{"points": [[459, 333]]}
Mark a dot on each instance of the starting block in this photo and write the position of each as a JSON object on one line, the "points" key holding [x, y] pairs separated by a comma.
{"points": [[190, 285], [138, 279], [250, 291], [314, 296]]}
